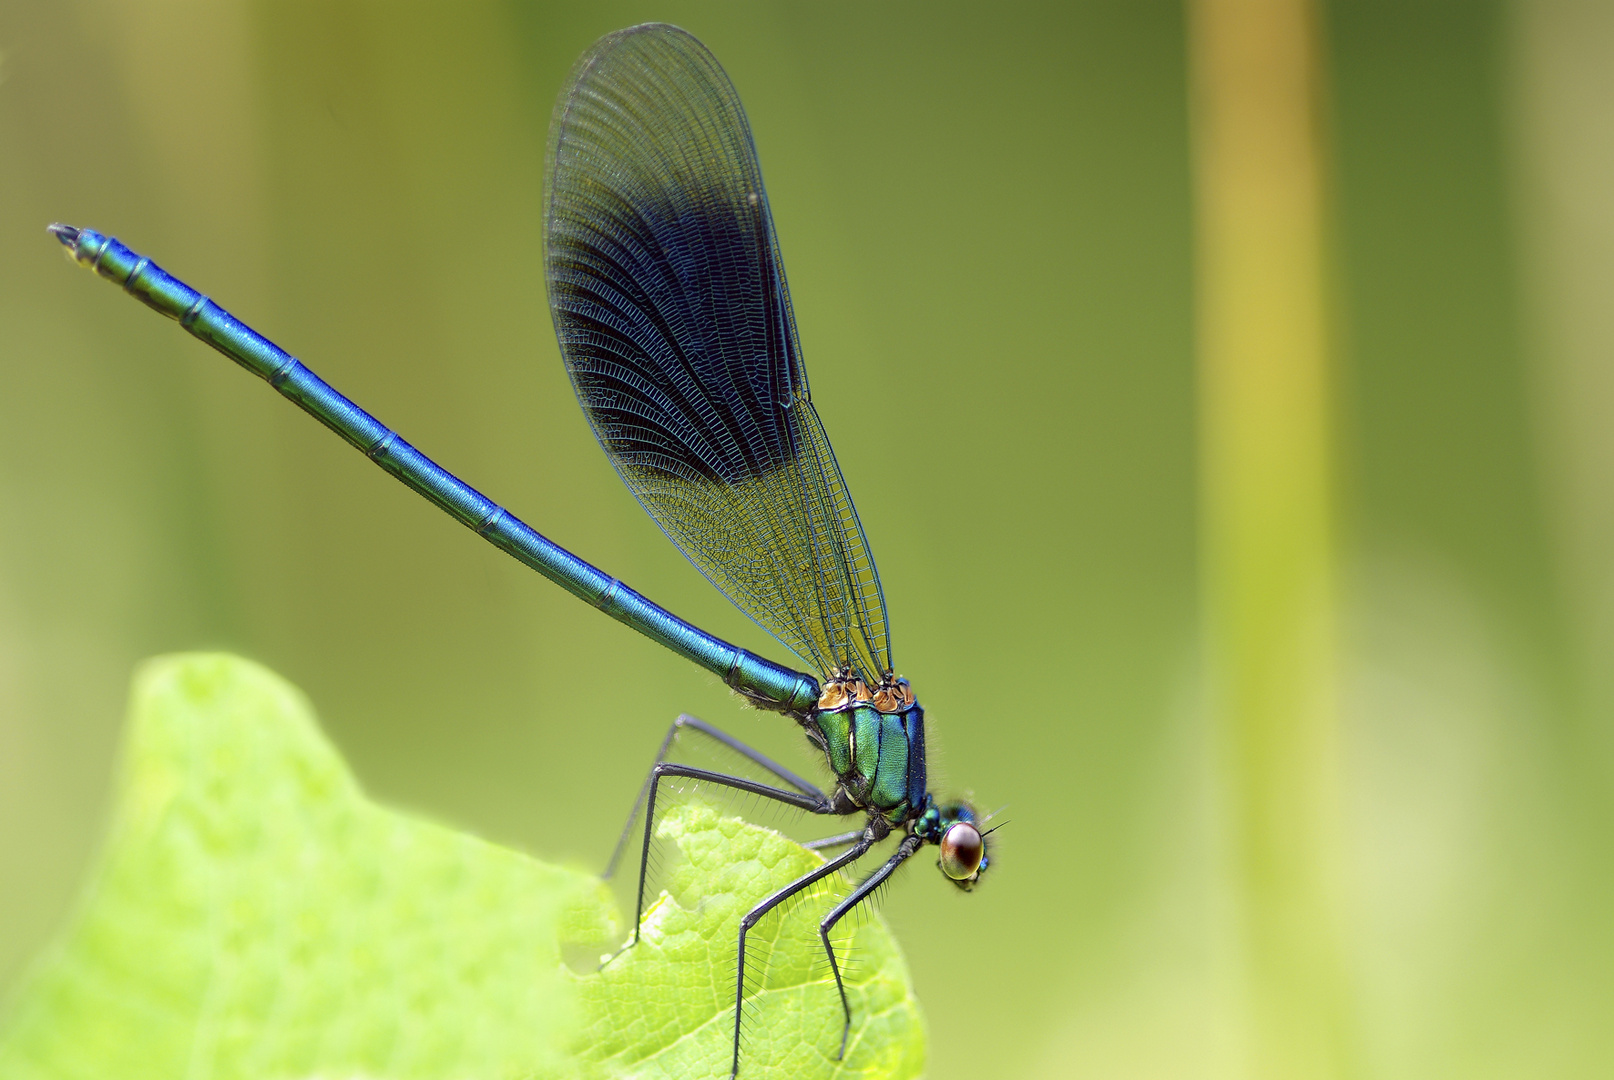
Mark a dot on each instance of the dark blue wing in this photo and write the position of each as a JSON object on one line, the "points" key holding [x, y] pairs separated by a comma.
{"points": [[675, 323]]}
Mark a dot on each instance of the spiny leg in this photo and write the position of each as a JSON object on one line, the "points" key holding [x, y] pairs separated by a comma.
{"points": [[701, 726], [909, 845], [816, 803], [751, 918], [838, 840]]}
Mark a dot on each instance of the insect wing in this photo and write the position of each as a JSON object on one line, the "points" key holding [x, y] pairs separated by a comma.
{"points": [[674, 320]]}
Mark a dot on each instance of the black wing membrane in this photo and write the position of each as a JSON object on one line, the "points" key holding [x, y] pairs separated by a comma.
{"points": [[675, 323]]}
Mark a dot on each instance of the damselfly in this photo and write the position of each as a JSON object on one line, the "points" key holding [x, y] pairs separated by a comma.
{"points": [[670, 304]]}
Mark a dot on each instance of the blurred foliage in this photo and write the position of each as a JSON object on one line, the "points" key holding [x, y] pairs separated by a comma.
{"points": [[985, 216], [255, 915]]}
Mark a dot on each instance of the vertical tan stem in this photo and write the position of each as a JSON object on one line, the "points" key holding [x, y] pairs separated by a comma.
{"points": [[1263, 344]]}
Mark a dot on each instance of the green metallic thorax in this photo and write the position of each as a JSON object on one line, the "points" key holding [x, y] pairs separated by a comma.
{"points": [[878, 757]]}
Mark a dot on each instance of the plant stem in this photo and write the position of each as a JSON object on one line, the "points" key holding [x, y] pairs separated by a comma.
{"points": [[1266, 516]]}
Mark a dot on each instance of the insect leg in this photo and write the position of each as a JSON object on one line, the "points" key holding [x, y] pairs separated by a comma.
{"points": [[909, 845], [816, 803], [838, 840], [751, 918], [701, 726]]}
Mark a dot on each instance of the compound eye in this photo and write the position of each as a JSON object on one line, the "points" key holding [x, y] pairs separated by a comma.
{"points": [[961, 850]]}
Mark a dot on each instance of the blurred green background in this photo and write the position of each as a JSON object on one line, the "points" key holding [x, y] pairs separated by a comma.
{"points": [[986, 217]]}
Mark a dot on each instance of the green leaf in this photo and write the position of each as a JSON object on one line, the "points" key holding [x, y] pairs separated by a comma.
{"points": [[254, 915]]}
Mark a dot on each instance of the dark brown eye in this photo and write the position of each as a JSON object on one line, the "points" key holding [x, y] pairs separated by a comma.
{"points": [[961, 849]]}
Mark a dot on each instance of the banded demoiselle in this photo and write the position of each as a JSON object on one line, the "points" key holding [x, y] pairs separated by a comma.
{"points": [[670, 304]]}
